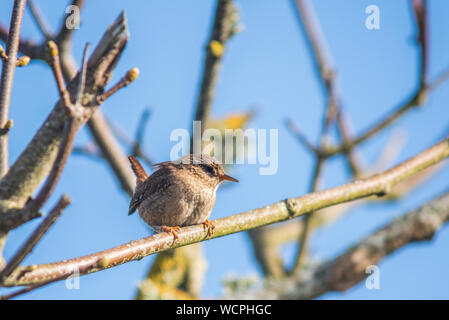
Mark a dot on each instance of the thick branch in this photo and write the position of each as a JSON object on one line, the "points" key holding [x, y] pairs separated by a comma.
{"points": [[290, 208]]}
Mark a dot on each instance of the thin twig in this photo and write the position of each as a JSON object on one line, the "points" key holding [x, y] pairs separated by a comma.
{"points": [[420, 12], [20, 292], [64, 36], [89, 150], [379, 184], [130, 76], [65, 148], [130, 143], [140, 132], [39, 19], [439, 80], [8, 67], [301, 137], [55, 65], [35, 237]]}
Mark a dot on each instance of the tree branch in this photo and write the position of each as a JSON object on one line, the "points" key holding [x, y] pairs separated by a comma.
{"points": [[35, 237], [379, 184], [40, 21], [36, 160], [112, 152], [97, 125], [420, 11], [12, 46], [221, 32], [349, 268]]}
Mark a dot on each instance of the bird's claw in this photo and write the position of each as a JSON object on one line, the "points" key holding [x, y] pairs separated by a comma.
{"points": [[172, 230], [210, 227]]}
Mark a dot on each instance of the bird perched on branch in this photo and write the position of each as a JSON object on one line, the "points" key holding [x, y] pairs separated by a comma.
{"points": [[179, 193]]}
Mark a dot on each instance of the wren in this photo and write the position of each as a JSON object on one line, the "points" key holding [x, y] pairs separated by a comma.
{"points": [[179, 193]]}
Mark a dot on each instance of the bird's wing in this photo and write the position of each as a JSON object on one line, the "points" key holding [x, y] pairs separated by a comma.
{"points": [[136, 200], [157, 181]]}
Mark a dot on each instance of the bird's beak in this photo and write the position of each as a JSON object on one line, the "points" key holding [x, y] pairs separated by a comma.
{"points": [[226, 177]]}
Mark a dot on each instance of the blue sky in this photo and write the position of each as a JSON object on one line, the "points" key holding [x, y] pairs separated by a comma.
{"points": [[268, 65]]}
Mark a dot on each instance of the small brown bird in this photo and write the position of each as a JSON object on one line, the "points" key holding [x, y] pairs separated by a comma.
{"points": [[179, 193]]}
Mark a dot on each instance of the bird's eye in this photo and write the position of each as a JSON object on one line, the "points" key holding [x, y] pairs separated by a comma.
{"points": [[209, 170]]}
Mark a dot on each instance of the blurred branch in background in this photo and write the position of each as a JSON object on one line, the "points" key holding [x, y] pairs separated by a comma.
{"points": [[134, 146], [262, 238], [321, 56], [333, 114], [224, 27], [349, 268], [168, 273]]}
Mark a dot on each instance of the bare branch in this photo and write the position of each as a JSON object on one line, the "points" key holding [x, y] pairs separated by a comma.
{"points": [[12, 47], [72, 125], [221, 32], [39, 19], [267, 255], [112, 152], [133, 145], [349, 268], [35, 237], [327, 76], [64, 36], [420, 12], [89, 150], [97, 125], [130, 76], [301, 137], [138, 140], [379, 184], [36, 160], [55, 65]]}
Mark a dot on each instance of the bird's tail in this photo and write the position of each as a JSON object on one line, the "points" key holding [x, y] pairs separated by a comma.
{"points": [[139, 171]]}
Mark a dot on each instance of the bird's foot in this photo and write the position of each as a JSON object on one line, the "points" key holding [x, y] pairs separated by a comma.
{"points": [[210, 227], [172, 230]]}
